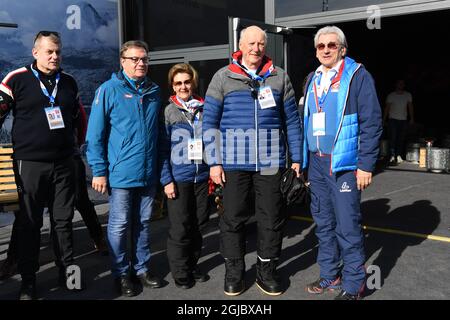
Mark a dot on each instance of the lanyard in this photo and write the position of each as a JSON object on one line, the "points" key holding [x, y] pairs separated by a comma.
{"points": [[44, 89], [336, 78], [251, 75], [195, 115]]}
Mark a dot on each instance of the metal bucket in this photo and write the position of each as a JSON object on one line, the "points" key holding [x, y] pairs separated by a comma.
{"points": [[438, 159], [413, 152], [384, 148]]}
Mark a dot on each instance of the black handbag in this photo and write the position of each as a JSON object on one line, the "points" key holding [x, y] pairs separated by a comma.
{"points": [[294, 189]]}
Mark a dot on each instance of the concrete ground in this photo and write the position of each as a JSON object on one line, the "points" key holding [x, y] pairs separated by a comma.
{"points": [[403, 198]]}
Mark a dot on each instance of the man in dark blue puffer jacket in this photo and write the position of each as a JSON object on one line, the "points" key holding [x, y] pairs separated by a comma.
{"points": [[250, 113]]}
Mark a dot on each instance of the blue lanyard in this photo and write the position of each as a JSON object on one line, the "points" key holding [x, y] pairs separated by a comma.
{"points": [[251, 75], [44, 89], [320, 101]]}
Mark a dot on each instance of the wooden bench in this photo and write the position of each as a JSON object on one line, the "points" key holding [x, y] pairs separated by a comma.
{"points": [[9, 198]]}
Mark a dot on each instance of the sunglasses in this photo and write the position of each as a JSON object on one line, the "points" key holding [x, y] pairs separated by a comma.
{"points": [[179, 83], [45, 33], [330, 45]]}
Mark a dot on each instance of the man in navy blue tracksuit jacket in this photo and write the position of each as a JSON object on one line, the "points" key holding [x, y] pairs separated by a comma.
{"points": [[342, 126]]}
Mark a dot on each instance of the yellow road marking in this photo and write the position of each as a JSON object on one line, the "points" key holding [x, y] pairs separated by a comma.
{"points": [[385, 230]]}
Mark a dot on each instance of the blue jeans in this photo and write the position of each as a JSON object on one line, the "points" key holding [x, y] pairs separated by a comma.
{"points": [[130, 211]]}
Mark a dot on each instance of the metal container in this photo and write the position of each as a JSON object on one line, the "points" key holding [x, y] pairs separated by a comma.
{"points": [[384, 148], [413, 152], [438, 159]]}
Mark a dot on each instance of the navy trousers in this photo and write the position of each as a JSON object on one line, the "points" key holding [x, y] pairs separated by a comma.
{"points": [[335, 207]]}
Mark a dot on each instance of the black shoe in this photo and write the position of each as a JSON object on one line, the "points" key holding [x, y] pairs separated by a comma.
{"points": [[149, 281], [184, 283], [199, 276], [125, 286], [28, 290], [234, 276], [267, 278], [344, 295], [8, 269]]}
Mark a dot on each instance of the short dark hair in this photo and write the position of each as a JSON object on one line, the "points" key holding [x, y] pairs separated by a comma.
{"points": [[133, 44]]}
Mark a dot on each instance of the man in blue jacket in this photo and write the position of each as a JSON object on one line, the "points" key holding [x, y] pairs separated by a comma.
{"points": [[122, 152], [250, 113], [342, 118]]}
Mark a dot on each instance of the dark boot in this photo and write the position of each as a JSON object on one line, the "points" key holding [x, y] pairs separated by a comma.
{"points": [[267, 278], [234, 276], [28, 289]]}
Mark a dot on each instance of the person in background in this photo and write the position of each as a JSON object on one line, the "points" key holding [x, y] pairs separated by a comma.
{"points": [[398, 106], [184, 176]]}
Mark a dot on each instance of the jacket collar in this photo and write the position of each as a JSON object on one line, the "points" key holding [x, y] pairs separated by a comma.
{"points": [[148, 83], [237, 67]]}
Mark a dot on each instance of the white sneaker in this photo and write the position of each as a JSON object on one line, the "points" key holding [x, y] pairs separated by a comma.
{"points": [[392, 159], [399, 159]]}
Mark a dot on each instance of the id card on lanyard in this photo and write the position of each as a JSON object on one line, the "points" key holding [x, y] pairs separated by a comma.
{"points": [[319, 117], [53, 113]]}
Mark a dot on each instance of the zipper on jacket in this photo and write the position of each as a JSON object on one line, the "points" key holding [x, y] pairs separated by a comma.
{"points": [[342, 120], [256, 133]]}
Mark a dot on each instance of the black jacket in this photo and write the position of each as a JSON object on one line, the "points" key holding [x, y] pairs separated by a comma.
{"points": [[31, 136]]}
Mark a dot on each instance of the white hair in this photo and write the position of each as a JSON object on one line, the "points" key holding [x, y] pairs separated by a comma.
{"points": [[243, 31], [331, 29]]}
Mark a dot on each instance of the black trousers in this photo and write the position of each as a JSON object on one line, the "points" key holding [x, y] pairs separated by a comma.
{"points": [[82, 202], [270, 217], [42, 184], [188, 216]]}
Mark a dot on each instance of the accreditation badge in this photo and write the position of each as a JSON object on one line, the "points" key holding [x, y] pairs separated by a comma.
{"points": [[54, 117], [318, 124], [265, 98], [195, 149]]}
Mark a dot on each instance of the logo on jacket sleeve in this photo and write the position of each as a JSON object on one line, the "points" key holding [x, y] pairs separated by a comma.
{"points": [[128, 96]]}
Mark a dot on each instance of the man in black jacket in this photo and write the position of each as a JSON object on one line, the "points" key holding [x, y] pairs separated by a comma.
{"points": [[44, 101]]}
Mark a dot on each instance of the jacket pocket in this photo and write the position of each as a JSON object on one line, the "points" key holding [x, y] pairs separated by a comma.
{"points": [[119, 155]]}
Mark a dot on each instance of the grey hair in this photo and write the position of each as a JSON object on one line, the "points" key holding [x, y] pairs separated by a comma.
{"points": [[243, 31], [331, 29]]}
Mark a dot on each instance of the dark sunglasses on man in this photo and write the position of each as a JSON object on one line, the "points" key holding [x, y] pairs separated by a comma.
{"points": [[45, 33]]}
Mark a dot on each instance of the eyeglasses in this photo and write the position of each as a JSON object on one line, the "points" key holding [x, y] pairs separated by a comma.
{"points": [[330, 45], [254, 88], [45, 33], [180, 83], [135, 60]]}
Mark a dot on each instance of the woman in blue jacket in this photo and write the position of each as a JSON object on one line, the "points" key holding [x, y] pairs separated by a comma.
{"points": [[184, 175]]}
